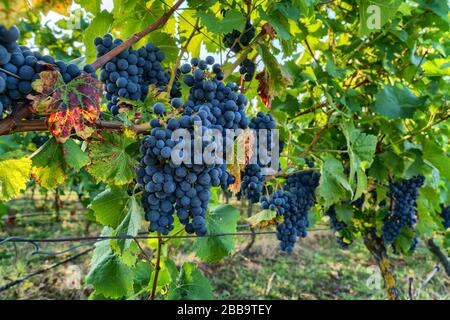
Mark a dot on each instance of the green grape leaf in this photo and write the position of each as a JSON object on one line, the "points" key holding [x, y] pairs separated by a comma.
{"points": [[361, 149], [191, 284], [439, 7], [437, 67], [111, 277], [142, 274], [185, 28], [167, 275], [102, 248], [374, 14], [404, 240], [436, 156], [100, 25], [54, 161], [73, 155], [306, 7], [109, 206], [220, 219], [14, 174], [428, 209], [48, 164], [92, 6], [111, 163], [201, 4], [344, 213], [289, 9], [333, 186], [262, 217], [130, 223], [233, 20], [396, 102]]}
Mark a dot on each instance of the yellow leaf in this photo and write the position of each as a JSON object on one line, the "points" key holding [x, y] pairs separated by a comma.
{"points": [[14, 174]]}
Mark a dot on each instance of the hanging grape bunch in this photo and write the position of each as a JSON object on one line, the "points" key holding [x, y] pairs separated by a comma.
{"points": [[185, 188], [247, 68], [19, 67], [293, 203], [130, 74], [252, 183], [404, 211], [446, 217], [236, 40]]}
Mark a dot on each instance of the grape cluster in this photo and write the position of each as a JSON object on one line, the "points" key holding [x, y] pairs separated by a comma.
{"points": [[185, 188], [130, 74], [169, 186], [337, 225], [267, 122], [302, 186], [219, 105], [446, 216], [247, 68], [20, 67], [404, 211], [280, 201], [252, 183], [294, 203], [236, 40], [283, 203]]}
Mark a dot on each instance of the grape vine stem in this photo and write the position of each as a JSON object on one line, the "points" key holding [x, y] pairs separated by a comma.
{"points": [[157, 268], [377, 248]]}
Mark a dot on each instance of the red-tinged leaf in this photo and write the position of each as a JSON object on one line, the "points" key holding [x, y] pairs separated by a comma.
{"points": [[71, 106], [61, 124], [264, 89], [83, 116], [269, 30]]}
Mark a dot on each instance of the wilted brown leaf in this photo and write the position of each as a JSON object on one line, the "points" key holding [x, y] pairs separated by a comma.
{"points": [[264, 89]]}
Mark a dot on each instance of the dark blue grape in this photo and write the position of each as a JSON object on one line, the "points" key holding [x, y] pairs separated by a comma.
{"points": [[293, 203], [404, 212], [235, 40], [446, 216], [158, 108], [89, 68]]}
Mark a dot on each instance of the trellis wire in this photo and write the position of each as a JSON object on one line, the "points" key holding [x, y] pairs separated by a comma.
{"points": [[141, 235], [128, 237], [34, 273]]}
